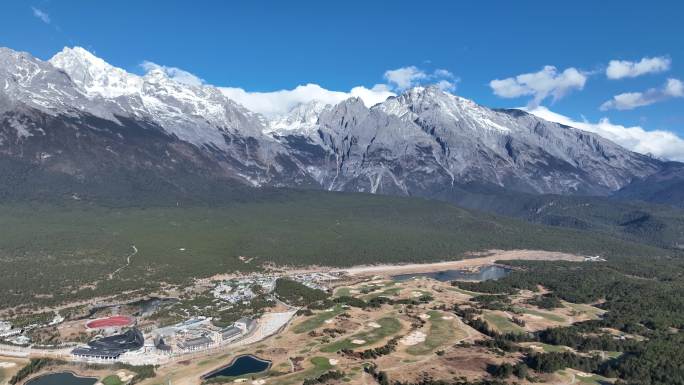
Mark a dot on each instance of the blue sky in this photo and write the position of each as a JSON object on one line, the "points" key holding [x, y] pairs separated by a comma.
{"points": [[272, 45]]}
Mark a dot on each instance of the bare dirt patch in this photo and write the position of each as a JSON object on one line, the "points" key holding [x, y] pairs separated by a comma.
{"points": [[492, 257]]}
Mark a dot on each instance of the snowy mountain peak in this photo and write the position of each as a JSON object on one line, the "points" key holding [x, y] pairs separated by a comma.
{"points": [[302, 119], [198, 114], [436, 107], [95, 76]]}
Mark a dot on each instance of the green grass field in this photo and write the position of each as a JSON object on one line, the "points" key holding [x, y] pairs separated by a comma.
{"points": [[342, 292], [546, 315], [317, 320], [592, 311], [466, 292], [112, 380], [501, 323], [320, 366], [388, 327], [386, 293], [440, 331]]}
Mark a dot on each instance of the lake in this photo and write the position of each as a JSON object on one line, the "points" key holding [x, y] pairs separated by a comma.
{"points": [[62, 379], [241, 365], [487, 273]]}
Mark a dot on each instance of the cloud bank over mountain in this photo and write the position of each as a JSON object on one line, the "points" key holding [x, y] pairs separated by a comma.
{"points": [[659, 143]]}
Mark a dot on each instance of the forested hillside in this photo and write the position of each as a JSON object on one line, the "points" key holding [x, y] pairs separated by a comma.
{"points": [[55, 250]]}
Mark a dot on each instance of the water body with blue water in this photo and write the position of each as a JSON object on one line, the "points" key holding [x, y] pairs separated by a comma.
{"points": [[240, 366], [487, 273], [62, 379]]}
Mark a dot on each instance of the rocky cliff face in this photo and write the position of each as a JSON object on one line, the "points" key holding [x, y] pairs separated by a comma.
{"points": [[427, 140]]}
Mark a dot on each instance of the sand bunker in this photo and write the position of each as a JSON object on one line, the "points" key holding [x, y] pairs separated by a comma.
{"points": [[124, 377], [329, 321], [424, 316], [416, 294], [333, 361], [413, 338], [358, 342], [258, 382], [374, 325], [447, 317], [7, 365]]}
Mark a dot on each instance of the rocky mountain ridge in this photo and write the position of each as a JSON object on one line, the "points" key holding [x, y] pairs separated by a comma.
{"points": [[76, 116]]}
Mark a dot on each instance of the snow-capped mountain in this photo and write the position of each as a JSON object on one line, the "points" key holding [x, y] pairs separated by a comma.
{"points": [[77, 87], [77, 116], [196, 114], [301, 120], [426, 140]]}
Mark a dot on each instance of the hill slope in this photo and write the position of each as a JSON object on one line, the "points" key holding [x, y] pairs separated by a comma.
{"points": [[664, 187]]}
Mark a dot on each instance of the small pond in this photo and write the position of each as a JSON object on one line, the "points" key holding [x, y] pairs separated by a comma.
{"points": [[487, 273], [151, 305], [239, 366], [62, 379]]}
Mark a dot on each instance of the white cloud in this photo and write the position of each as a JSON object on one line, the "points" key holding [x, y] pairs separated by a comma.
{"points": [[406, 77], [177, 74], [442, 73], [42, 15], [446, 85], [618, 69], [659, 143], [372, 96], [673, 88], [540, 85], [280, 102]]}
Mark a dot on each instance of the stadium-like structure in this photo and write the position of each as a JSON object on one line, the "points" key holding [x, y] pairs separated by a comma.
{"points": [[112, 347]]}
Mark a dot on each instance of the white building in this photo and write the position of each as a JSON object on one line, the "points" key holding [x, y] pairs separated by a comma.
{"points": [[6, 330], [245, 324]]}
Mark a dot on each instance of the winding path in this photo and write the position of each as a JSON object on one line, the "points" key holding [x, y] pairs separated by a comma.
{"points": [[128, 262]]}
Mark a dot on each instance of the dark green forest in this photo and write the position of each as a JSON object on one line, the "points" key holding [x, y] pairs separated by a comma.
{"points": [[67, 251]]}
